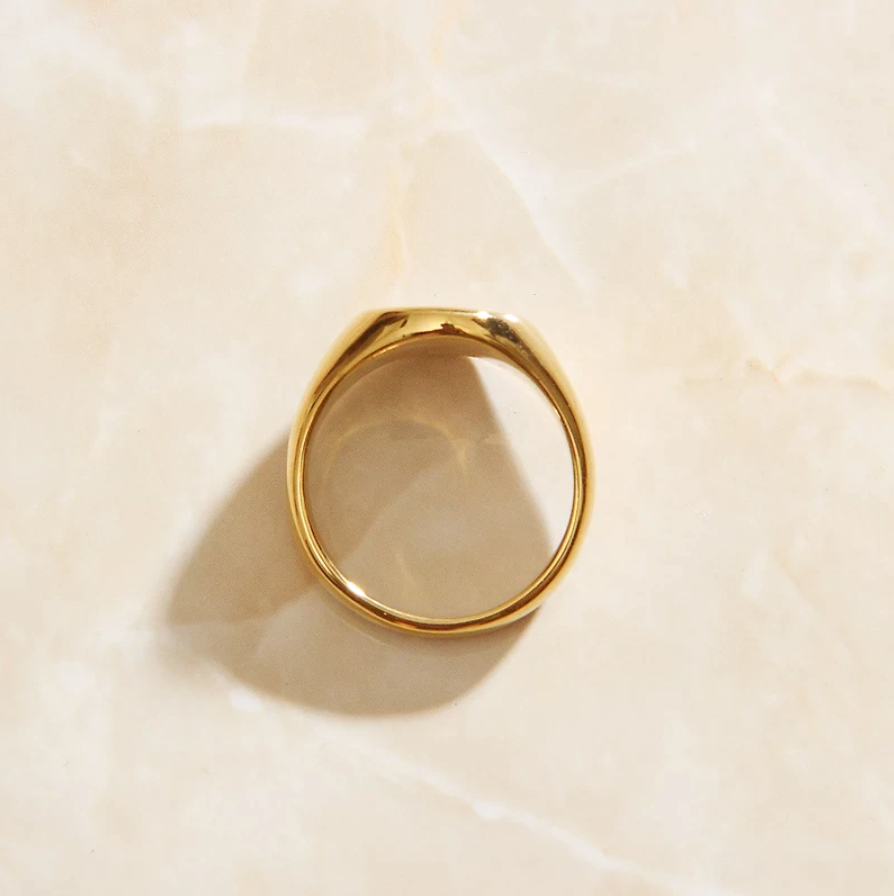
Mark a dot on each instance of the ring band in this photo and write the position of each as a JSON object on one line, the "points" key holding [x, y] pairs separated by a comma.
{"points": [[378, 335]]}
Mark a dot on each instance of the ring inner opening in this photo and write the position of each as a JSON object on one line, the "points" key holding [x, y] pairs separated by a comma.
{"points": [[439, 483]]}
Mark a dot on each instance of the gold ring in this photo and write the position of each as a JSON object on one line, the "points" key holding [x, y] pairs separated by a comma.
{"points": [[375, 337]]}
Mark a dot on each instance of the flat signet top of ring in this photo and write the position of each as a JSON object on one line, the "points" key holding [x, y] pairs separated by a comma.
{"points": [[442, 321], [378, 334]]}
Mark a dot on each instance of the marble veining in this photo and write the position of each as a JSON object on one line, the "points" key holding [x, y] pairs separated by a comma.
{"points": [[696, 198]]}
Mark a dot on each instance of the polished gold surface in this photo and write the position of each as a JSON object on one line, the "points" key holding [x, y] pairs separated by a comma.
{"points": [[376, 337]]}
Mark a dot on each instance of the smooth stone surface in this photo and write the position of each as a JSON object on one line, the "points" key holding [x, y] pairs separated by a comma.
{"points": [[693, 201]]}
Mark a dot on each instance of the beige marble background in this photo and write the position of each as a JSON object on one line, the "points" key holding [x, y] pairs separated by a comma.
{"points": [[694, 201]]}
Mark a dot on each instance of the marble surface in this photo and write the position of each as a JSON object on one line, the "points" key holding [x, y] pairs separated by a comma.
{"points": [[693, 201]]}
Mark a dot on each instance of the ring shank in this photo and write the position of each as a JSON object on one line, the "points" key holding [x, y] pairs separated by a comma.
{"points": [[375, 338]]}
